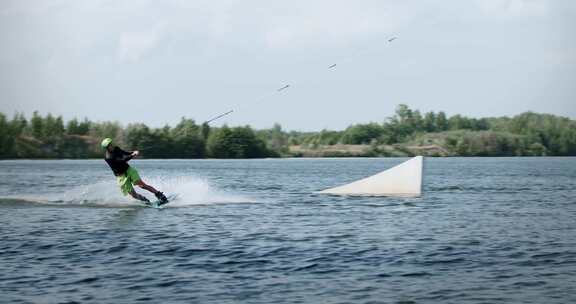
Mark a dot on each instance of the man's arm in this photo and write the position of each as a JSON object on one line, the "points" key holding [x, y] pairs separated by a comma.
{"points": [[128, 155]]}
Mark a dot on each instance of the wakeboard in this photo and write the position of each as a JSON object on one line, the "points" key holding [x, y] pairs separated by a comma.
{"points": [[158, 204]]}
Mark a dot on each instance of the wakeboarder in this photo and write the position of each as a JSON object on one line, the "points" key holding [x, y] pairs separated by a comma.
{"points": [[127, 176]]}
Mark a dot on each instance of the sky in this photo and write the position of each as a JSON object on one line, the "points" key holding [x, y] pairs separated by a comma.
{"points": [[157, 61]]}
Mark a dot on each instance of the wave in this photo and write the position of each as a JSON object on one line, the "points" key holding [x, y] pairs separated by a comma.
{"points": [[188, 191]]}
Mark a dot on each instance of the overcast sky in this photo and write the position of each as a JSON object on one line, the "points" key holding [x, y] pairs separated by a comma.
{"points": [[156, 61]]}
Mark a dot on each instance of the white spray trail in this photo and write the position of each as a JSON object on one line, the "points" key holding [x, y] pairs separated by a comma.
{"points": [[189, 191]]}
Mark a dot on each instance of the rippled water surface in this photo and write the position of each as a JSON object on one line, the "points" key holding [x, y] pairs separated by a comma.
{"points": [[487, 230]]}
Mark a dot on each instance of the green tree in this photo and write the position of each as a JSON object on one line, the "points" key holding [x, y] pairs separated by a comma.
{"points": [[417, 121], [205, 131], [458, 122], [441, 122], [84, 127], [137, 136], [6, 138], [164, 145], [239, 142], [362, 134], [37, 125], [403, 124], [107, 129], [19, 124], [429, 123], [188, 140], [403, 113], [278, 139], [525, 134], [220, 143], [53, 127], [72, 127], [479, 124], [73, 147]]}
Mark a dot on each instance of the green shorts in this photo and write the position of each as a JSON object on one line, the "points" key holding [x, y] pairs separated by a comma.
{"points": [[126, 180]]}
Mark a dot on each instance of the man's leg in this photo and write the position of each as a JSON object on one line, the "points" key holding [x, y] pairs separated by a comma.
{"points": [[145, 186], [137, 196], [159, 195], [126, 187], [136, 180]]}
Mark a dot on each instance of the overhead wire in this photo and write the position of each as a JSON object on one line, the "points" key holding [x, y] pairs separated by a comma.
{"points": [[289, 85], [282, 88]]}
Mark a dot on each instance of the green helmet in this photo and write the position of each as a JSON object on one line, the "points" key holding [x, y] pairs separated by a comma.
{"points": [[107, 141]]}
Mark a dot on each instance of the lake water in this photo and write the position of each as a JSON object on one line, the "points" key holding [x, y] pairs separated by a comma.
{"points": [[487, 230]]}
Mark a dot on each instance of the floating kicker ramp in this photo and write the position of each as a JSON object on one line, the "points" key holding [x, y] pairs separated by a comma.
{"points": [[404, 180]]}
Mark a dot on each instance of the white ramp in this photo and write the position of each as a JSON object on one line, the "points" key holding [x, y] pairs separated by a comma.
{"points": [[403, 180]]}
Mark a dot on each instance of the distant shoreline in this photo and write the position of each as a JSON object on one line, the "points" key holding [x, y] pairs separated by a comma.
{"points": [[408, 133], [332, 152]]}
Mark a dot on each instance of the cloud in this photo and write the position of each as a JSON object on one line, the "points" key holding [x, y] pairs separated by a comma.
{"points": [[133, 45], [328, 23], [515, 8]]}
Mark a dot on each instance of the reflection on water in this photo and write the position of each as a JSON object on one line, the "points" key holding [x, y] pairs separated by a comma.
{"points": [[126, 217]]}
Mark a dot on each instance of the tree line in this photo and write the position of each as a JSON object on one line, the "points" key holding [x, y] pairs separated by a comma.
{"points": [[526, 134], [408, 130]]}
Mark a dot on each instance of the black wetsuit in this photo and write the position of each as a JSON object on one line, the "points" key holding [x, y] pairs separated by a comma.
{"points": [[118, 160]]}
